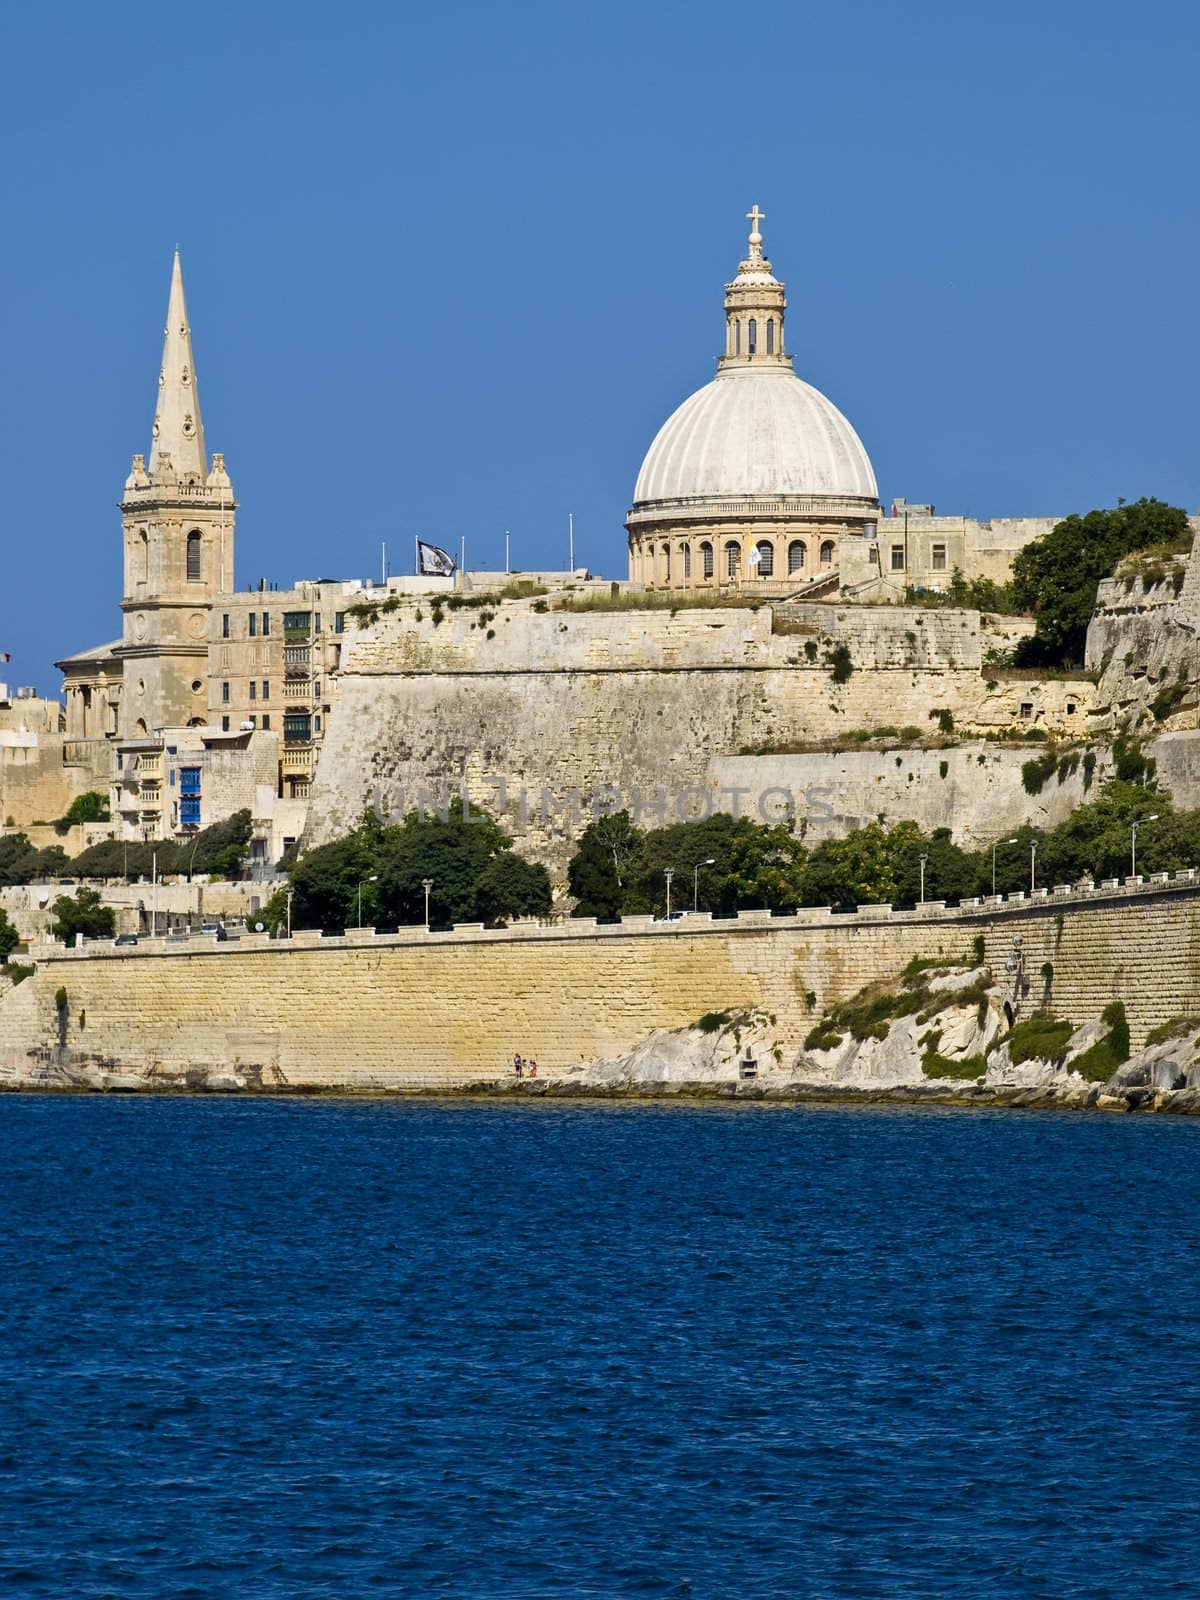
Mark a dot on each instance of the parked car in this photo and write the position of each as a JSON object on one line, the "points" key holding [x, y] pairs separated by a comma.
{"points": [[125, 938]]}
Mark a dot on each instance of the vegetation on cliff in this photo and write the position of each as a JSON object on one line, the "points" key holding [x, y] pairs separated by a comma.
{"points": [[1056, 576], [83, 913]]}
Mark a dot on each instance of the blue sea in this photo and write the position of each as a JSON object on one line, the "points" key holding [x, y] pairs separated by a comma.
{"points": [[336, 1348]]}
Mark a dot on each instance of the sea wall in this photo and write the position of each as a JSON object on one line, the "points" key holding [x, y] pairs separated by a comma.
{"points": [[413, 1010]]}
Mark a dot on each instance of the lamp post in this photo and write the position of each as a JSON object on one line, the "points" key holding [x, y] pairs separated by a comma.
{"points": [[668, 874], [1033, 866], [154, 895], [290, 893], [374, 878], [427, 885], [994, 849], [711, 862], [1133, 828], [923, 860]]}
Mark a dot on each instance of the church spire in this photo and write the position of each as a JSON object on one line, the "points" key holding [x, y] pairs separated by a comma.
{"points": [[178, 431], [754, 306]]}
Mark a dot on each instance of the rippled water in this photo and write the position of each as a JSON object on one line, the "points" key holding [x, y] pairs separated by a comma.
{"points": [[337, 1349]]}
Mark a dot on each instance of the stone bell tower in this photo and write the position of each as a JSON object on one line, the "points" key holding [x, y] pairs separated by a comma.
{"points": [[178, 519]]}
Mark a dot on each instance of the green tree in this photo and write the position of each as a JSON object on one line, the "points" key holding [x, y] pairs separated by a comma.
{"points": [[82, 913], [89, 807], [1055, 576], [509, 886], [9, 938], [602, 863], [864, 868]]}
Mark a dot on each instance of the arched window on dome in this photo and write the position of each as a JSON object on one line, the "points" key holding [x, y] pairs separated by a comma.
{"points": [[766, 558], [797, 556], [733, 556], [666, 551], [752, 336], [770, 336], [827, 552], [194, 543], [686, 552], [706, 559]]}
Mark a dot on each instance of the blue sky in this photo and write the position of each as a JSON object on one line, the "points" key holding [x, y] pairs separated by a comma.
{"points": [[449, 268]]}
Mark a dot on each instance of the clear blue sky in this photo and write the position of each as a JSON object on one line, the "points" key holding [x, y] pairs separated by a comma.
{"points": [[449, 267]]}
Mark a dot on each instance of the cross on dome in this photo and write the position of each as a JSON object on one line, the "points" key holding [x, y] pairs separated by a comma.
{"points": [[754, 216]]}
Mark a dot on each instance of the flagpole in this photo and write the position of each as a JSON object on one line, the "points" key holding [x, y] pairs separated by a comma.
{"points": [[416, 555], [506, 566], [383, 563], [462, 564], [570, 541]]}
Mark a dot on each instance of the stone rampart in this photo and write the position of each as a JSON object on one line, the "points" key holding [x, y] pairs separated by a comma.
{"points": [[417, 1009]]}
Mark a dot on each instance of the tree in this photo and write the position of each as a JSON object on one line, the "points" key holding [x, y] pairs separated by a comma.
{"points": [[1055, 576], [84, 914], [864, 868], [89, 807], [9, 938], [597, 871], [509, 886]]}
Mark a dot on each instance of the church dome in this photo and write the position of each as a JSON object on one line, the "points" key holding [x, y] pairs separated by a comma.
{"points": [[756, 432]]}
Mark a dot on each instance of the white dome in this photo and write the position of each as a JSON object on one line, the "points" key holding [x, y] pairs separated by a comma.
{"points": [[756, 431]]}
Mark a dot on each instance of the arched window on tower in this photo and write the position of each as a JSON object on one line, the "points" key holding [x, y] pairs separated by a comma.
{"points": [[142, 557], [752, 336], [737, 338], [194, 545], [797, 556], [687, 562], [827, 552], [733, 555], [766, 558], [706, 559], [770, 336]]}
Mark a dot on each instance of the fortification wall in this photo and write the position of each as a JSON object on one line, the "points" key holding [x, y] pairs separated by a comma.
{"points": [[975, 790], [418, 1009], [632, 705], [41, 773]]}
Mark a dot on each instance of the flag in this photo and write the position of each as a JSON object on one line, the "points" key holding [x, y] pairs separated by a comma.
{"points": [[4, 656], [433, 562]]}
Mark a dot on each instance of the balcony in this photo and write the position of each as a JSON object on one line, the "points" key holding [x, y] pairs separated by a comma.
{"points": [[296, 758], [297, 660], [296, 689]]}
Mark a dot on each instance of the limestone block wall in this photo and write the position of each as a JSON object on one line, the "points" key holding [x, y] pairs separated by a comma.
{"points": [[974, 790], [41, 773], [419, 1009]]}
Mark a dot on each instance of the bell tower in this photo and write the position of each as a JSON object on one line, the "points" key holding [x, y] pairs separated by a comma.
{"points": [[178, 519]]}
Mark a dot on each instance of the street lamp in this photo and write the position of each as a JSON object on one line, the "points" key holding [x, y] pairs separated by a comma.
{"points": [[668, 874], [374, 878], [994, 849], [923, 860], [427, 885], [711, 862], [1133, 828], [290, 893], [1033, 866]]}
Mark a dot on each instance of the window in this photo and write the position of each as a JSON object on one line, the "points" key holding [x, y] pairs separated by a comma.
{"points": [[266, 689], [1027, 708], [939, 558], [253, 625], [666, 550], [317, 724], [339, 622], [897, 558], [266, 722], [297, 727], [737, 338], [143, 558], [189, 780], [189, 812], [706, 559], [752, 337], [687, 562], [266, 624], [194, 544], [225, 626], [317, 623], [797, 556], [770, 336], [224, 724], [1070, 708], [827, 553], [766, 558], [253, 721], [253, 689], [733, 554], [224, 694]]}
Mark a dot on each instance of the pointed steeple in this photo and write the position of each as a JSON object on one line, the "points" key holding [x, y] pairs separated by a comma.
{"points": [[178, 431]]}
